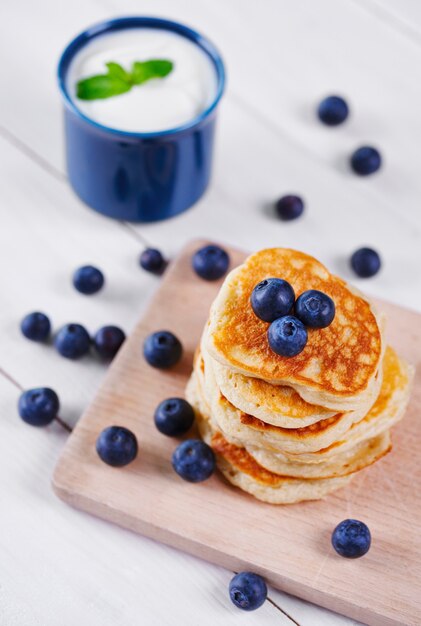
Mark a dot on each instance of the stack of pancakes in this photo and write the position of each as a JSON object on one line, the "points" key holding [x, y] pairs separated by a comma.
{"points": [[287, 429]]}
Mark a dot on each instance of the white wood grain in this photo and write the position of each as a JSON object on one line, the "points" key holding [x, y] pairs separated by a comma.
{"points": [[55, 234], [400, 15], [309, 57], [275, 155], [60, 566], [113, 576], [268, 143]]}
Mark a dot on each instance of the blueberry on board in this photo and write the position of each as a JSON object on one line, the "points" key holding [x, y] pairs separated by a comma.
{"points": [[38, 406], [88, 280], [36, 326], [333, 110], [315, 309], [289, 207], [152, 261], [351, 538], [248, 591], [194, 460], [287, 336], [272, 298], [72, 341], [108, 341], [366, 160], [210, 262], [174, 417], [365, 262], [162, 349], [117, 446]]}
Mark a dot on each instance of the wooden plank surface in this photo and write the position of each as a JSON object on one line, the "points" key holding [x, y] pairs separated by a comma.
{"points": [[289, 545], [39, 258], [268, 143]]}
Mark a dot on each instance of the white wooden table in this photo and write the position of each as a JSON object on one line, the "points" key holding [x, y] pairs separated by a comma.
{"points": [[60, 566]]}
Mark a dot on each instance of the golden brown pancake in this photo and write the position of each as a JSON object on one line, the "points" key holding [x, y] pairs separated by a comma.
{"points": [[347, 462], [274, 404], [243, 429], [344, 463], [338, 364], [240, 469], [293, 429], [388, 409]]}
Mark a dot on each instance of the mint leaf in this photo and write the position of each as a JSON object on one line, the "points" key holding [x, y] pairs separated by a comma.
{"points": [[101, 86], [116, 70], [117, 80], [154, 68]]}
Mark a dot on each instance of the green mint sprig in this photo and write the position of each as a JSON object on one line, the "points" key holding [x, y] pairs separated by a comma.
{"points": [[117, 80]]}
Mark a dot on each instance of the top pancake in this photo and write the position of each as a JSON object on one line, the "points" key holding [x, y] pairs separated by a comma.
{"points": [[339, 363]]}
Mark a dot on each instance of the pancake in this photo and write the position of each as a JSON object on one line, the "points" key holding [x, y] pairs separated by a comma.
{"points": [[387, 411], [243, 429], [343, 463], [241, 470], [274, 404], [337, 369]]}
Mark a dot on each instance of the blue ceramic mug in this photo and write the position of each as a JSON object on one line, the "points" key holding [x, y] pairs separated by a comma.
{"points": [[139, 176]]}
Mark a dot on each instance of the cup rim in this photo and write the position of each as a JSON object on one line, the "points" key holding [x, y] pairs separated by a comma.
{"points": [[122, 23]]}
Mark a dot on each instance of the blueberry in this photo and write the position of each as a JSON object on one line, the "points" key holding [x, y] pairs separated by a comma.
{"points": [[287, 336], [39, 406], [116, 446], [36, 326], [365, 262], [88, 279], [366, 160], [210, 262], [351, 539], [108, 341], [333, 111], [152, 261], [289, 207], [193, 460], [174, 417], [162, 349], [72, 341], [248, 591], [272, 298], [315, 309]]}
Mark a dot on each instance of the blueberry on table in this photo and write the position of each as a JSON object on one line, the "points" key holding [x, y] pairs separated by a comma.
{"points": [[315, 309], [272, 298], [108, 341], [72, 341], [366, 160], [88, 280], [333, 110], [248, 591], [289, 207], [39, 406], [174, 417], [351, 538], [162, 349], [210, 262], [365, 262], [287, 336], [116, 446], [152, 261], [194, 460], [36, 326]]}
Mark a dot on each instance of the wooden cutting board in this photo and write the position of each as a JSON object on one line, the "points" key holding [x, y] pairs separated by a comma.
{"points": [[288, 545]]}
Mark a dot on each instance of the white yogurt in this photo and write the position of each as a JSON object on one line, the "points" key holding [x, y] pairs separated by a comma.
{"points": [[159, 104]]}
